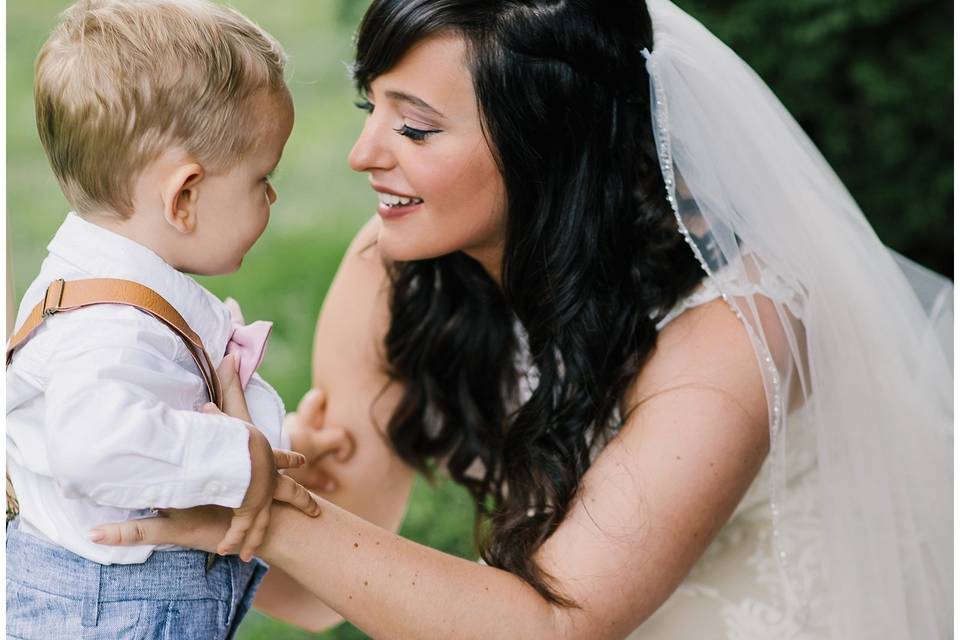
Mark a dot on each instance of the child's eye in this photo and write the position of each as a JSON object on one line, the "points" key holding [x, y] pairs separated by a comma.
{"points": [[417, 135], [364, 105]]}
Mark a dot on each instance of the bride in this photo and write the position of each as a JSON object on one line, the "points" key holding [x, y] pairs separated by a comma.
{"points": [[615, 291]]}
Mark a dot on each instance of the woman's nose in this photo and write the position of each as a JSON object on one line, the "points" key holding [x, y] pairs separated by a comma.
{"points": [[368, 151]]}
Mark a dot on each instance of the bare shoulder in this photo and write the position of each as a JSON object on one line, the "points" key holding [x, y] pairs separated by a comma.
{"points": [[704, 349], [694, 438]]}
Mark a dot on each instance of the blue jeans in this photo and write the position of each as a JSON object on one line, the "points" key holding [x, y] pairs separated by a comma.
{"points": [[53, 594]]}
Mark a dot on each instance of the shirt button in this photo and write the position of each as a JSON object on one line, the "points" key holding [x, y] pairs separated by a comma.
{"points": [[215, 487]]}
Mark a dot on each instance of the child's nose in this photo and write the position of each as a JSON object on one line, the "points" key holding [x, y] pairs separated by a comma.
{"points": [[271, 194]]}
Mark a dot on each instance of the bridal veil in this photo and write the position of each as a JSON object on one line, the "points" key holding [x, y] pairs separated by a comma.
{"points": [[843, 328]]}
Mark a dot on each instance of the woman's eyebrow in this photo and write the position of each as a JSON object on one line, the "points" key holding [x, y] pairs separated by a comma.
{"points": [[414, 100]]}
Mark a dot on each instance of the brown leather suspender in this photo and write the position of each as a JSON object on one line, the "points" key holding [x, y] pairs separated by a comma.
{"points": [[74, 294], [68, 295]]}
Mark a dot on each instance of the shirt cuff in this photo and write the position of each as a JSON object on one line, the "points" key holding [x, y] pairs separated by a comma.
{"points": [[217, 465]]}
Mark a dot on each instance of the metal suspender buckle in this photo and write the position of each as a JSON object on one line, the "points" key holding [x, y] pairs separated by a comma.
{"points": [[56, 289]]}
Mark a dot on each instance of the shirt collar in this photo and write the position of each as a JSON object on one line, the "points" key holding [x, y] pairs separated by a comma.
{"points": [[105, 254]]}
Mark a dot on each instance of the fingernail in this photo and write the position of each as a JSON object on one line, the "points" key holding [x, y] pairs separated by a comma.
{"points": [[208, 407], [96, 535]]}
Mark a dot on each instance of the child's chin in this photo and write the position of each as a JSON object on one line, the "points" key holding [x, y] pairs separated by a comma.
{"points": [[216, 270]]}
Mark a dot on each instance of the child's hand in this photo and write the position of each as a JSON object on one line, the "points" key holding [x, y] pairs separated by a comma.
{"points": [[234, 402], [252, 517]]}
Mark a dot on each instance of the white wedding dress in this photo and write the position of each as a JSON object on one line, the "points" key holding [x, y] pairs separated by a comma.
{"points": [[735, 591]]}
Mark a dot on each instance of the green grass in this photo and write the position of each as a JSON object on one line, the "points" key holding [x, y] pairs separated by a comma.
{"points": [[286, 275]]}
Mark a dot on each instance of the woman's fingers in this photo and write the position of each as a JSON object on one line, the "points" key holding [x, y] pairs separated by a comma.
{"points": [[321, 439], [314, 477], [143, 531], [319, 443], [255, 536], [312, 408], [197, 528], [310, 436], [284, 459], [292, 492], [332, 440]]}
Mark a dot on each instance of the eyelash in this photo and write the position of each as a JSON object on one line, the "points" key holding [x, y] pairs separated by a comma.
{"points": [[417, 135]]}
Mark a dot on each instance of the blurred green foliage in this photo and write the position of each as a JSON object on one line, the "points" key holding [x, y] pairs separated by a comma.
{"points": [[869, 80]]}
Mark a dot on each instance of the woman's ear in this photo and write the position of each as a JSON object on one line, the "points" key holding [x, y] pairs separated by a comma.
{"points": [[181, 197]]}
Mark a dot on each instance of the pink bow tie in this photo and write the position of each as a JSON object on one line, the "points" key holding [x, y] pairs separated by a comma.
{"points": [[248, 341]]}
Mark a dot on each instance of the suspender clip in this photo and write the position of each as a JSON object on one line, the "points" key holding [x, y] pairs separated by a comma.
{"points": [[56, 289]]}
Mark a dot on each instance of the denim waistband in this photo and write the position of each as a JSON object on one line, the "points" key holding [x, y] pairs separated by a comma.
{"points": [[166, 575]]}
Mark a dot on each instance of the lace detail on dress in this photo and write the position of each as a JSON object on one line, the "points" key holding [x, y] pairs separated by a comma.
{"points": [[705, 292]]}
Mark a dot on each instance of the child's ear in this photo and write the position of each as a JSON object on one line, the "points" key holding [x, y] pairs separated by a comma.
{"points": [[181, 195]]}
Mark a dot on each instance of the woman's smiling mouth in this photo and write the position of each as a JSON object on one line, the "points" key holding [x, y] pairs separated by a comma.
{"points": [[394, 205]]}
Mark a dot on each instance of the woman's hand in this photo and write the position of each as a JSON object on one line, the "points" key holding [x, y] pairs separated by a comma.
{"points": [[197, 528], [317, 441]]}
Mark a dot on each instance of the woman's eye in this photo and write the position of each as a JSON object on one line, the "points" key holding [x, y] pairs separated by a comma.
{"points": [[364, 105], [417, 135]]}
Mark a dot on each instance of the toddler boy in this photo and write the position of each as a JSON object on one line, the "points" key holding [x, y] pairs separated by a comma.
{"points": [[162, 121]]}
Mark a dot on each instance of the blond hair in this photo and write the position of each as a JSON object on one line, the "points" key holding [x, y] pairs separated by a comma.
{"points": [[120, 81]]}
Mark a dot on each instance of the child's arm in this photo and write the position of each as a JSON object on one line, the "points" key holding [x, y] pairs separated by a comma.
{"points": [[251, 519], [110, 431]]}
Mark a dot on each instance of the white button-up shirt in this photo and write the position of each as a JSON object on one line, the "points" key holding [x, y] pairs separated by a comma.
{"points": [[103, 402]]}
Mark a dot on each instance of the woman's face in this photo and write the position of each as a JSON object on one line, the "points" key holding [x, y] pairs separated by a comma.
{"points": [[422, 145]]}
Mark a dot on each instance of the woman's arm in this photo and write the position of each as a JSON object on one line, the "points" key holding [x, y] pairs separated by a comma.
{"points": [[647, 509], [347, 364]]}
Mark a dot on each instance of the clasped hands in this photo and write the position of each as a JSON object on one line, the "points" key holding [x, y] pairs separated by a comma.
{"points": [[275, 474]]}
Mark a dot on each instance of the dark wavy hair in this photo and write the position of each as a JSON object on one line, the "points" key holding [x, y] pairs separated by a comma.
{"points": [[593, 259]]}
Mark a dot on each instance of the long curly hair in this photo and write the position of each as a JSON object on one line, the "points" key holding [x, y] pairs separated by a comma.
{"points": [[593, 259]]}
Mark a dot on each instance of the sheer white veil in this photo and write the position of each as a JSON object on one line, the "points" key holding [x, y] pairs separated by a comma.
{"points": [[846, 331]]}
